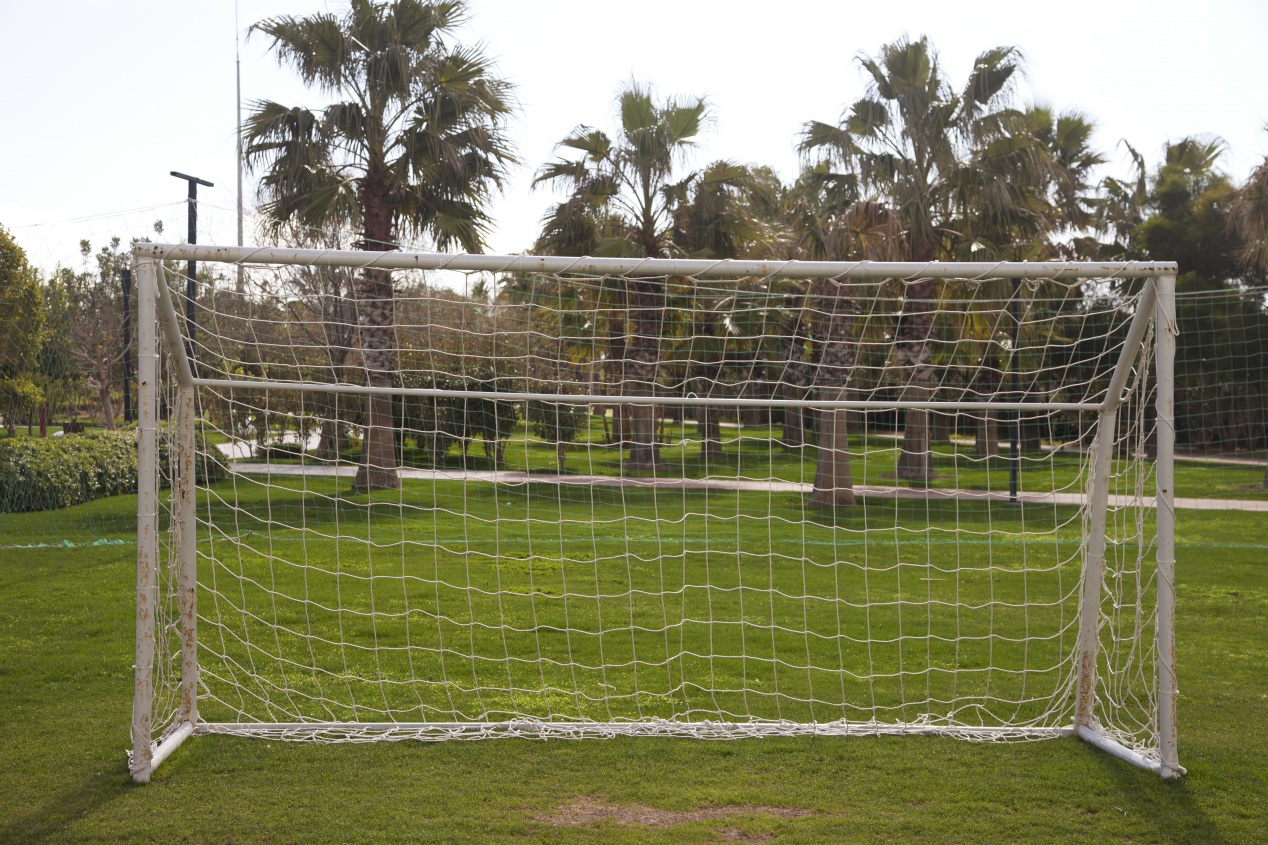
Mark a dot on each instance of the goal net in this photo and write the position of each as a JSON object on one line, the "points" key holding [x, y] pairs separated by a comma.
{"points": [[415, 496]]}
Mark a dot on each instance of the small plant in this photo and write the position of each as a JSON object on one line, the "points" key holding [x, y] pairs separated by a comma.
{"points": [[558, 423]]}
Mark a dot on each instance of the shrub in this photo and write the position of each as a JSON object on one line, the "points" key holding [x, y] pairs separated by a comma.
{"points": [[558, 423], [440, 421], [279, 452], [38, 474]]}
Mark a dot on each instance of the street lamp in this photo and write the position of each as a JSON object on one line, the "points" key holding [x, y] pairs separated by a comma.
{"points": [[191, 290]]}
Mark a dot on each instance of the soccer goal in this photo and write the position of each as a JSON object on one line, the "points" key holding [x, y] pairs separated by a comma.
{"points": [[388, 496]]}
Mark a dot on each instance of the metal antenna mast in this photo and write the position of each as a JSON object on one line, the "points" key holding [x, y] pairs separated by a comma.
{"points": [[237, 57]]}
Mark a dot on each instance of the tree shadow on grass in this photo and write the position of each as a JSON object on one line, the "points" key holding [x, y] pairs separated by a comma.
{"points": [[85, 798], [1167, 805]]}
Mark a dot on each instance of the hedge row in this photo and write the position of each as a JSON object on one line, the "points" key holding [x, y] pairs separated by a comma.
{"points": [[38, 474]]}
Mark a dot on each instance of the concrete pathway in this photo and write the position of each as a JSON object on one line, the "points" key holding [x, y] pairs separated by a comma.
{"points": [[747, 485]]}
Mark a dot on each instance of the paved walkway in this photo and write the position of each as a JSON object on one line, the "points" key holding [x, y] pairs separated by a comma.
{"points": [[748, 485], [238, 450]]}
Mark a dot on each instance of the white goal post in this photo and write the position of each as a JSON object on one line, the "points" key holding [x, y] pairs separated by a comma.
{"points": [[723, 581]]}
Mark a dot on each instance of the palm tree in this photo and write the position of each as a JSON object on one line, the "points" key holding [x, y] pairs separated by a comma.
{"points": [[1048, 193], [909, 144], [726, 210], [620, 203], [1249, 218], [414, 146], [870, 231]]}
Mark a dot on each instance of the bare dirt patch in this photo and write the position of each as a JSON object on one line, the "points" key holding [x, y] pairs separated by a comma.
{"points": [[585, 810], [730, 834]]}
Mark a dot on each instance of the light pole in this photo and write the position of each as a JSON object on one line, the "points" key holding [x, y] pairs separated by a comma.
{"points": [[191, 289]]}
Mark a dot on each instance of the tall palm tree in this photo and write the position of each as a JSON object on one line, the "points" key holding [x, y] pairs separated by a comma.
{"points": [[1048, 194], [870, 231], [414, 146], [909, 144], [620, 203], [1249, 218], [726, 210]]}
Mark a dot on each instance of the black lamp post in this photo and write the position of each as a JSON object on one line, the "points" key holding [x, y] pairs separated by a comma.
{"points": [[191, 289]]}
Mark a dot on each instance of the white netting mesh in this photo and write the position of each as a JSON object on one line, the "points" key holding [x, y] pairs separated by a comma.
{"points": [[600, 567]]}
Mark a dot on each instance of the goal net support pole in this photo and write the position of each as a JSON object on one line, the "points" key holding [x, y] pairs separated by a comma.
{"points": [[1157, 303], [142, 761], [156, 310], [1168, 690]]}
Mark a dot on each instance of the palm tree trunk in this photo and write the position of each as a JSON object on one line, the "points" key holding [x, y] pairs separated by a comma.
{"points": [[329, 443], [834, 484], [616, 379], [705, 379], [710, 433], [707, 416], [643, 363], [1032, 430], [794, 384], [915, 357], [376, 315]]}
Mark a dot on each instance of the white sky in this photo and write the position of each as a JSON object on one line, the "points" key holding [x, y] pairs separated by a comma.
{"points": [[101, 98]]}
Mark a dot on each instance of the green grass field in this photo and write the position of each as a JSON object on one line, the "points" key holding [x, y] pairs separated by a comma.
{"points": [[601, 603], [635, 597]]}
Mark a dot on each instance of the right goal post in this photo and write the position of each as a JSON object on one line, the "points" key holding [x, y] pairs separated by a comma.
{"points": [[711, 499]]}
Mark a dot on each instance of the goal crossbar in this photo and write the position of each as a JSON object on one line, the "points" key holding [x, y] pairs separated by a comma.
{"points": [[728, 267]]}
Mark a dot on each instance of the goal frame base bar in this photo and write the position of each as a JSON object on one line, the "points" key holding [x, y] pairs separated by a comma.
{"points": [[542, 730]]}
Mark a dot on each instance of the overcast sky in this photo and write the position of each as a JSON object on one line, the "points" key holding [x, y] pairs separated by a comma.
{"points": [[101, 98]]}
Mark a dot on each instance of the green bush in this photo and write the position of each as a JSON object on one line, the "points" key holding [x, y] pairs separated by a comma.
{"points": [[279, 452], [211, 465], [38, 474], [557, 423]]}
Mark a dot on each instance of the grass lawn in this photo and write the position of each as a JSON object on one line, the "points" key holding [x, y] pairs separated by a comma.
{"points": [[66, 681]]}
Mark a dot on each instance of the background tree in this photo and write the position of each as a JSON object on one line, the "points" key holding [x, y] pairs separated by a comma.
{"points": [[726, 210], [1249, 217], [21, 332], [1190, 215], [621, 203], [869, 231], [912, 143], [414, 148], [1024, 190], [95, 302], [1188, 208], [322, 304], [59, 378], [557, 423]]}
